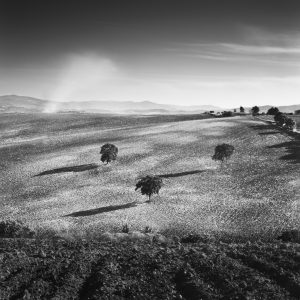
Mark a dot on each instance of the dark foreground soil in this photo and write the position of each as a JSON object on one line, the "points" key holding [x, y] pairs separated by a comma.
{"points": [[59, 269]]}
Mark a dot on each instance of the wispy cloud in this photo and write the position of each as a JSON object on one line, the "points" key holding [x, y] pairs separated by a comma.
{"points": [[260, 50], [253, 45], [240, 52]]}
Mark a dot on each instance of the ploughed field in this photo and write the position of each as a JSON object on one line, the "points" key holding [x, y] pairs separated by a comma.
{"points": [[49, 269], [51, 176]]}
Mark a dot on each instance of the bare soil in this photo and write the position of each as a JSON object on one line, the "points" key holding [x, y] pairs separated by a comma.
{"points": [[58, 269]]}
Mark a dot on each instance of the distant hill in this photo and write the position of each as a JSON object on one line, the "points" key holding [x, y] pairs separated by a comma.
{"points": [[22, 104]]}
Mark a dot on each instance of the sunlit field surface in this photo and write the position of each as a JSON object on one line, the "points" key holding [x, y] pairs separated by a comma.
{"points": [[255, 194]]}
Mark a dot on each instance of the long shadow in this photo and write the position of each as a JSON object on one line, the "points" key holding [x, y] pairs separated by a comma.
{"points": [[181, 174], [277, 129], [80, 168], [264, 126], [292, 148], [101, 210], [269, 132]]}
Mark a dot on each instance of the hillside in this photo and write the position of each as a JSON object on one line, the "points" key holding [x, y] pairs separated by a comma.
{"points": [[21, 104], [52, 176]]}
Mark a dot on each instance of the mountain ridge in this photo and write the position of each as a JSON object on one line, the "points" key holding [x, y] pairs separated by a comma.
{"points": [[16, 103], [26, 104]]}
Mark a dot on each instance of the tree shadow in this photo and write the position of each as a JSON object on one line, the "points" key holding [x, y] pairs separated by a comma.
{"points": [[101, 210], [80, 168], [263, 126], [181, 174], [292, 148], [275, 127], [269, 132]]}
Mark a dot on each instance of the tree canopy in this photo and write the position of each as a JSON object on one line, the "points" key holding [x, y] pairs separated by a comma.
{"points": [[255, 110], [108, 153], [223, 152], [272, 111], [149, 185]]}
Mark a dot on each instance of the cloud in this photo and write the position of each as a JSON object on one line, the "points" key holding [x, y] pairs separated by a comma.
{"points": [[253, 45], [238, 52], [258, 50]]}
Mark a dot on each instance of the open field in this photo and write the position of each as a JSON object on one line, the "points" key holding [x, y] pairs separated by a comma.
{"points": [[256, 194]]}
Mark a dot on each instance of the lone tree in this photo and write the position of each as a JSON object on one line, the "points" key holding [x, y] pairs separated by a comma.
{"points": [[273, 111], [255, 110], [149, 185], [242, 109], [108, 153], [223, 152]]}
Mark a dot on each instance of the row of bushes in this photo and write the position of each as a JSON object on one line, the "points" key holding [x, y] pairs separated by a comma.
{"points": [[17, 229]]}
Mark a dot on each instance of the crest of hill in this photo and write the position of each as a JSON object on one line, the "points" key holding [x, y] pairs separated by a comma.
{"points": [[14, 103]]}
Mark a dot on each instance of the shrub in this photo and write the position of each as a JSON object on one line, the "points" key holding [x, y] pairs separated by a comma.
{"points": [[242, 109], [194, 238], [277, 116], [290, 124], [283, 121], [280, 119], [273, 111], [255, 110], [149, 185], [147, 229], [108, 153], [223, 152], [15, 229], [227, 114], [125, 228]]}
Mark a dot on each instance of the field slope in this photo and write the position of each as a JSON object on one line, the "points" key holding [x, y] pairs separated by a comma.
{"points": [[49, 175]]}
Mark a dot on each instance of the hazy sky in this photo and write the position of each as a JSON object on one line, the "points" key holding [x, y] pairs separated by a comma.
{"points": [[224, 52]]}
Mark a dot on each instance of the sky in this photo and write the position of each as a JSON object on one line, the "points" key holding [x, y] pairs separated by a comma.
{"points": [[225, 53]]}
